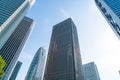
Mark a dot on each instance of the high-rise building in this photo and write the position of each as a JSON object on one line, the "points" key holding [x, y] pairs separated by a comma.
{"points": [[36, 69], [11, 13], [14, 45], [64, 59], [90, 71], [15, 71], [111, 11]]}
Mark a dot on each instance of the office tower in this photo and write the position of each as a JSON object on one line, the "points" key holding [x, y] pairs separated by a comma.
{"points": [[90, 71], [11, 13], [14, 45], [36, 69], [64, 59], [15, 71], [111, 11]]}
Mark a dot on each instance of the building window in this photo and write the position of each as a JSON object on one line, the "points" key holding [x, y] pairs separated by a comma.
{"points": [[109, 17], [96, 1], [103, 10], [99, 4]]}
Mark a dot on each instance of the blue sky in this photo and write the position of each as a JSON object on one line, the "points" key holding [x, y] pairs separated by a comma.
{"points": [[97, 41]]}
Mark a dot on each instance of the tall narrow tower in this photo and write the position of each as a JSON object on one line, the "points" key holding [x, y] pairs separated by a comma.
{"points": [[36, 69], [14, 45], [15, 71], [64, 59], [111, 11]]}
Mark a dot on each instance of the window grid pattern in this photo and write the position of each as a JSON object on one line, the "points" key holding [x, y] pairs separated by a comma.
{"points": [[114, 6], [13, 44], [7, 8]]}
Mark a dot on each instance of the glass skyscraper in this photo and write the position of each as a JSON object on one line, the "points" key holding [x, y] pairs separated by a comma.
{"points": [[36, 69], [14, 45], [11, 13], [64, 59], [90, 71], [15, 71], [111, 11]]}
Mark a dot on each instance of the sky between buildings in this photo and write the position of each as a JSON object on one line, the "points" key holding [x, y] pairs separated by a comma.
{"points": [[97, 41]]}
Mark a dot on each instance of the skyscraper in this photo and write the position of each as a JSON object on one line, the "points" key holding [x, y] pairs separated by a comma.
{"points": [[90, 71], [36, 69], [11, 13], [14, 45], [64, 59], [111, 11], [15, 71]]}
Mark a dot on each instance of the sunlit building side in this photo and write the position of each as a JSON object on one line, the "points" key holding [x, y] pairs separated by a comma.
{"points": [[11, 14], [36, 69]]}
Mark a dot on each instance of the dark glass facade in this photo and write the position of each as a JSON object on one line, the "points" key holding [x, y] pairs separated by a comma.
{"points": [[16, 70], [12, 48], [111, 11], [64, 59], [90, 71]]}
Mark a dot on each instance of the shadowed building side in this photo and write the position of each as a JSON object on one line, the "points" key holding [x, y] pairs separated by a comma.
{"points": [[14, 45], [11, 14]]}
